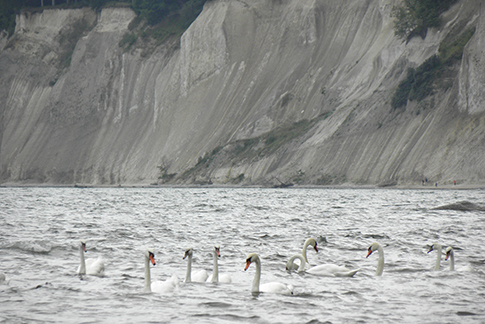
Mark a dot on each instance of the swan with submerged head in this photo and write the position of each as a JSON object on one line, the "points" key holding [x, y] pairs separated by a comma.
{"points": [[167, 286], [215, 277], [380, 264], [93, 267], [199, 276], [270, 287], [328, 270], [309, 242]]}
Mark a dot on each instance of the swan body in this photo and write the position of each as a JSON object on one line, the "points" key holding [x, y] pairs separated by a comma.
{"points": [[167, 286], [215, 277], [332, 270], [93, 267], [308, 242], [438, 248], [270, 287], [200, 276], [380, 264]]}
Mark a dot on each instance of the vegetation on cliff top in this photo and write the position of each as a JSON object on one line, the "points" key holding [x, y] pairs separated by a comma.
{"points": [[414, 17], [181, 13]]}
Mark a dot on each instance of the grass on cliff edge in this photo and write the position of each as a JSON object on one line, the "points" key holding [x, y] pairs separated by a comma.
{"points": [[254, 149]]}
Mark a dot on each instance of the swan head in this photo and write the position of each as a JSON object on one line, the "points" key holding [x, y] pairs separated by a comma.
{"points": [[188, 253], [150, 256], [449, 252], [374, 247], [83, 245], [252, 257], [313, 243], [217, 250], [433, 247]]}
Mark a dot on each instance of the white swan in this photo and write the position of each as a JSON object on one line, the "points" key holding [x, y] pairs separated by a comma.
{"points": [[438, 248], [380, 264], [94, 267], [215, 277], [308, 242], [167, 286], [270, 287], [200, 276], [450, 254]]}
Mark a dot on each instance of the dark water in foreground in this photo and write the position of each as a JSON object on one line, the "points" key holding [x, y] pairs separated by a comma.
{"points": [[40, 229]]}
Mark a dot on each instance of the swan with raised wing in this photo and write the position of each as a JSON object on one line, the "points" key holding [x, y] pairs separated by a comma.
{"points": [[93, 267], [270, 287], [380, 264], [170, 285], [437, 247], [215, 277], [199, 276]]}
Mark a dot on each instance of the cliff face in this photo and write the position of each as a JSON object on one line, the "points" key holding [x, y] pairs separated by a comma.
{"points": [[75, 108]]}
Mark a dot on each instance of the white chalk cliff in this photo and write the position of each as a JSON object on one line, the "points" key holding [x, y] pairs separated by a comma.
{"points": [[242, 70]]}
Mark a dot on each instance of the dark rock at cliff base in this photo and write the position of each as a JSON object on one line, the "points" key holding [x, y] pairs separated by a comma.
{"points": [[462, 206]]}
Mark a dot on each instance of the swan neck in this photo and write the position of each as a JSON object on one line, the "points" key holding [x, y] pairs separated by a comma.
{"points": [[147, 275], [380, 263], [188, 277], [452, 260], [82, 267], [303, 252], [302, 265], [438, 258], [215, 273], [257, 276]]}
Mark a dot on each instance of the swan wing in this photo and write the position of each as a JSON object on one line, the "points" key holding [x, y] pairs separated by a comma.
{"points": [[200, 276], [95, 267], [225, 278], [331, 270], [276, 288]]}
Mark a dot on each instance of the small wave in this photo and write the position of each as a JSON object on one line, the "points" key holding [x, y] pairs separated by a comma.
{"points": [[461, 206], [462, 313], [216, 304], [32, 247]]}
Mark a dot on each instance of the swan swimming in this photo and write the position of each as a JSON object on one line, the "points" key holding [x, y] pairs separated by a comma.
{"points": [[270, 287], [329, 270], [450, 254], [438, 248], [93, 267], [215, 277], [308, 242], [167, 286], [200, 276], [380, 264]]}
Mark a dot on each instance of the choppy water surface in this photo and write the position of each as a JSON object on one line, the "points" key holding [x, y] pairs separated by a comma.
{"points": [[40, 230]]}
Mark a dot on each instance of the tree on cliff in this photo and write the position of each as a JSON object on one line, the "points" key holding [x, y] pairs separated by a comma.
{"points": [[414, 17]]}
